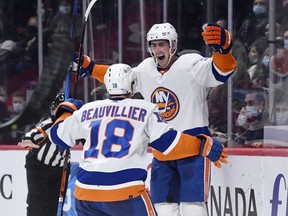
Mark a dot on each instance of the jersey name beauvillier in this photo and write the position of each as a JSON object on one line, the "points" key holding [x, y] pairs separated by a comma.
{"points": [[117, 134]]}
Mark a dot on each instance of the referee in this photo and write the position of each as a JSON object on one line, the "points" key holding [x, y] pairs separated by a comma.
{"points": [[44, 167]]}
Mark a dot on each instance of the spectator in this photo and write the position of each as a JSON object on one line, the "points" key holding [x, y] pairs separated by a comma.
{"points": [[61, 23], [283, 16], [255, 56], [254, 25], [261, 72], [18, 105], [241, 127], [252, 118], [279, 34], [281, 113], [28, 47]]}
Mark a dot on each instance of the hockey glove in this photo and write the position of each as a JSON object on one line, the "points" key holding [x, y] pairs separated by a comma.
{"points": [[86, 64], [213, 150], [69, 106], [28, 144], [217, 38]]}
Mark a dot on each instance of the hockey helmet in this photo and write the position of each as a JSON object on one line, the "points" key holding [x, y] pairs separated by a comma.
{"points": [[58, 99], [118, 79], [162, 31]]}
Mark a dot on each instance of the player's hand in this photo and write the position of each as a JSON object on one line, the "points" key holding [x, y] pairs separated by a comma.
{"points": [[27, 144], [213, 150], [86, 64], [69, 106], [218, 38]]}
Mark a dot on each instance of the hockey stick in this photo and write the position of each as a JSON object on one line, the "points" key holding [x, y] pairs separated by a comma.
{"points": [[67, 92], [81, 44], [64, 180]]}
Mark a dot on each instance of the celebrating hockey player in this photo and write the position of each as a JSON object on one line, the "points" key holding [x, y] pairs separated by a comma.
{"points": [[179, 86], [111, 177]]}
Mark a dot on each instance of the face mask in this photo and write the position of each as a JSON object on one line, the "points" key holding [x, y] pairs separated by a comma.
{"points": [[259, 9], [18, 107], [265, 61], [251, 111], [253, 60], [241, 120], [286, 43], [64, 9], [32, 29], [281, 117], [2, 98]]}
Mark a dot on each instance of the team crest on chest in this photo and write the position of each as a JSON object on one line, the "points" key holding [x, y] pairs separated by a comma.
{"points": [[167, 102]]}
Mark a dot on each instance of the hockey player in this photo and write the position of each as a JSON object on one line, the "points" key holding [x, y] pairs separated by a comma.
{"points": [[44, 166], [117, 131], [179, 86]]}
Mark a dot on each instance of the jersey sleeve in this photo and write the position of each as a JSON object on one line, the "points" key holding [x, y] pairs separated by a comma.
{"points": [[67, 130], [99, 71], [226, 63], [169, 144], [204, 70]]}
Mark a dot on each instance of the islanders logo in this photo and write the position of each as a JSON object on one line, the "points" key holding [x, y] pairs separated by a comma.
{"points": [[167, 103]]}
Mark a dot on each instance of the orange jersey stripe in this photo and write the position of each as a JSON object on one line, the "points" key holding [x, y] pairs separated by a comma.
{"points": [[99, 71], [148, 204], [62, 117], [225, 62], [108, 195], [187, 146]]}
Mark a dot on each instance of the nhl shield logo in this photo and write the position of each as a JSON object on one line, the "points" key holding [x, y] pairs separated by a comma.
{"points": [[167, 102]]}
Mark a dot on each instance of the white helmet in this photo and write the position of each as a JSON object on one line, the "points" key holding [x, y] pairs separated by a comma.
{"points": [[118, 79], [162, 31]]}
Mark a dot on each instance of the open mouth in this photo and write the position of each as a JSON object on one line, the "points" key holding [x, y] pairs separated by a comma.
{"points": [[161, 58]]}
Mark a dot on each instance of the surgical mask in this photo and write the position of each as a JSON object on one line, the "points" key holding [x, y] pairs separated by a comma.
{"points": [[286, 43], [281, 117], [253, 60], [64, 9], [265, 61], [2, 98], [241, 120], [251, 111], [18, 107], [259, 9], [32, 29]]}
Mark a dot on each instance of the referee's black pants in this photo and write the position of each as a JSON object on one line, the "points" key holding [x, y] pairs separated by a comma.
{"points": [[43, 183]]}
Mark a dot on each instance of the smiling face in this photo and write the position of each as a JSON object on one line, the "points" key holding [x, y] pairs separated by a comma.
{"points": [[161, 52]]}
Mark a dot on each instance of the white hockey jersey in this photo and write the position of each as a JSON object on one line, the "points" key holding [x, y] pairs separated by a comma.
{"points": [[183, 100], [117, 133]]}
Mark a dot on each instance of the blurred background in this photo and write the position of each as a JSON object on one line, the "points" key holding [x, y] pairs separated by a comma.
{"points": [[38, 39]]}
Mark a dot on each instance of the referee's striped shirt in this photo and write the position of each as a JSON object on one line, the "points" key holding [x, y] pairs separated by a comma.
{"points": [[48, 153]]}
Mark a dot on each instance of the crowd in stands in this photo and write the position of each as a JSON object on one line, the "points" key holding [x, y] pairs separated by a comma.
{"points": [[19, 68], [251, 90], [250, 82]]}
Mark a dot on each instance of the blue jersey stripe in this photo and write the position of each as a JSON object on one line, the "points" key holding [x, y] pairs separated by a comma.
{"points": [[218, 76], [164, 141], [197, 131], [56, 139], [112, 178]]}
